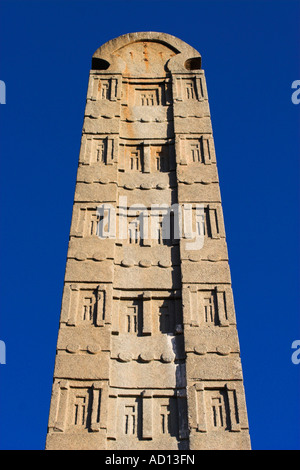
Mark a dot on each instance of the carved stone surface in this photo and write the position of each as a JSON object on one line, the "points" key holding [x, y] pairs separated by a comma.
{"points": [[147, 353]]}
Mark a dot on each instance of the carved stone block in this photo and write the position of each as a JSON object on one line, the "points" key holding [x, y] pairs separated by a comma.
{"points": [[147, 352]]}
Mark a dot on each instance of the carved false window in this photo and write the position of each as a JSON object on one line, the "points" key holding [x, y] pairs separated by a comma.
{"points": [[134, 232], [159, 232], [160, 158], [147, 158], [147, 97], [94, 223], [104, 88], [196, 152], [200, 150], [190, 90], [88, 307], [218, 410], [134, 160], [132, 320], [88, 311], [138, 228], [164, 312], [165, 419], [130, 420], [209, 313], [101, 151], [131, 317], [209, 308], [144, 229], [166, 320], [202, 221], [148, 315], [212, 222], [161, 162], [80, 410], [84, 408], [89, 222], [163, 229], [149, 416]]}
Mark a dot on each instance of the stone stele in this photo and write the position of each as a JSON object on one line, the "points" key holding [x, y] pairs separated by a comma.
{"points": [[147, 354]]}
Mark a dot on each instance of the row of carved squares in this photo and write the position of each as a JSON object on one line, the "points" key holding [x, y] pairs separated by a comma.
{"points": [[85, 406], [148, 93], [94, 305], [106, 150], [213, 407], [148, 414], [89, 220], [91, 305]]}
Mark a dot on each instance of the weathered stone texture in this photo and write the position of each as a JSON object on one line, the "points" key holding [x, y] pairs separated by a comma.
{"points": [[147, 353]]}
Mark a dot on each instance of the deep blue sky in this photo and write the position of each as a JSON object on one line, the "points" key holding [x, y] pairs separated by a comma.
{"points": [[251, 56]]}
